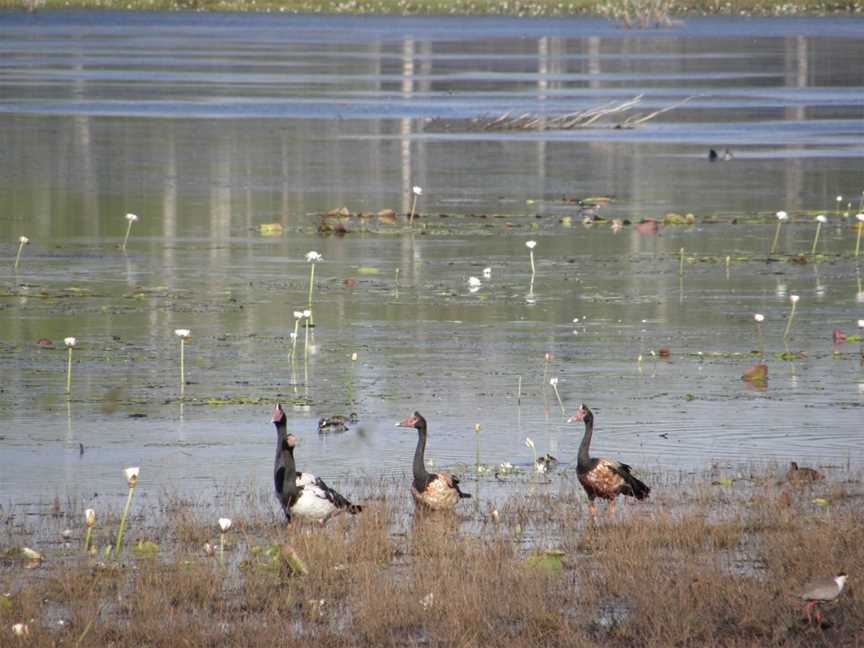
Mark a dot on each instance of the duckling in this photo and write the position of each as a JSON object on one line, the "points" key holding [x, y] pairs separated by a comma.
{"points": [[545, 463], [336, 423]]}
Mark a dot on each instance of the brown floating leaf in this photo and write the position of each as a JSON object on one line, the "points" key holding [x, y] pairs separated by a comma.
{"points": [[838, 336], [387, 216], [664, 352], [758, 373], [339, 212], [647, 226]]}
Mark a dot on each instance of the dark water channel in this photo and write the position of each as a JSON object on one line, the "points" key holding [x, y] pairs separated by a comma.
{"points": [[208, 126]]}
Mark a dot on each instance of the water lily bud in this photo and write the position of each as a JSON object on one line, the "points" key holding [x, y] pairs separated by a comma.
{"points": [[354, 357], [23, 240], [69, 341], [21, 630], [477, 428], [487, 273], [530, 244], [313, 256], [821, 218], [298, 314], [132, 475], [529, 442], [182, 333], [418, 190], [782, 216], [759, 317], [224, 524], [794, 298], [553, 381], [307, 313], [89, 518], [131, 218]]}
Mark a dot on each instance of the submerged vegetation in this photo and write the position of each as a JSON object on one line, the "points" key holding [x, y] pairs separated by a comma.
{"points": [[628, 13], [712, 560]]}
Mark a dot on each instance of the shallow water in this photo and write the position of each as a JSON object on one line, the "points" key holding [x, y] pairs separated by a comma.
{"points": [[209, 125]]}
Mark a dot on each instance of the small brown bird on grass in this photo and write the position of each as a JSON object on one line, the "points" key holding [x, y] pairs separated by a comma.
{"points": [[798, 475]]}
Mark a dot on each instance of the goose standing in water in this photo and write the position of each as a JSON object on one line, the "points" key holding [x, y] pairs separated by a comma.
{"points": [[603, 477], [436, 491], [302, 494]]}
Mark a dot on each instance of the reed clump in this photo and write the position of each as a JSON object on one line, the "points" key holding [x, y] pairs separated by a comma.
{"points": [[704, 562]]}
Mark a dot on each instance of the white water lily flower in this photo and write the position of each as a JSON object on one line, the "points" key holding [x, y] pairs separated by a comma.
{"points": [[782, 216], [487, 273], [23, 240], [354, 357], [759, 317], [224, 524], [182, 333], [530, 244], [298, 314], [553, 381], [822, 218], [529, 442], [794, 298], [313, 256], [131, 475], [131, 218], [307, 313], [474, 282], [860, 217], [69, 341], [861, 323], [418, 190], [839, 198], [89, 518]]}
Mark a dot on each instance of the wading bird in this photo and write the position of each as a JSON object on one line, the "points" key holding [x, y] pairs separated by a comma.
{"points": [[819, 591], [302, 494], [430, 490], [603, 477]]}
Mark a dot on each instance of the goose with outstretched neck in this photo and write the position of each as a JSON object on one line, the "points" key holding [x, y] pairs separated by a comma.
{"points": [[302, 494], [435, 491], [603, 477]]}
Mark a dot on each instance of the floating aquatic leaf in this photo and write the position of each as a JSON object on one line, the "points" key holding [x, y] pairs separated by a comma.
{"points": [[725, 481], [821, 501], [550, 560], [270, 229], [368, 270], [146, 548], [672, 218], [757, 373]]}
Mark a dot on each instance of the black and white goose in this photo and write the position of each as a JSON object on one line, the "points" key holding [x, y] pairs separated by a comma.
{"points": [[302, 494]]}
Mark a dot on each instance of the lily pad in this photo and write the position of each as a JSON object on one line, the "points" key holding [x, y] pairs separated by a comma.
{"points": [[550, 560]]}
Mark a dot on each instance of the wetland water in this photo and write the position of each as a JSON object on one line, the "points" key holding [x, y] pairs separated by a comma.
{"points": [[207, 126]]}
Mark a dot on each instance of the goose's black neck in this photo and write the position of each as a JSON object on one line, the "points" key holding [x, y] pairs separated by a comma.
{"points": [[421, 475], [584, 459], [285, 458]]}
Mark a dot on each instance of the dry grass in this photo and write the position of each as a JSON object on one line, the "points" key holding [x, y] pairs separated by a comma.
{"points": [[698, 565]]}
